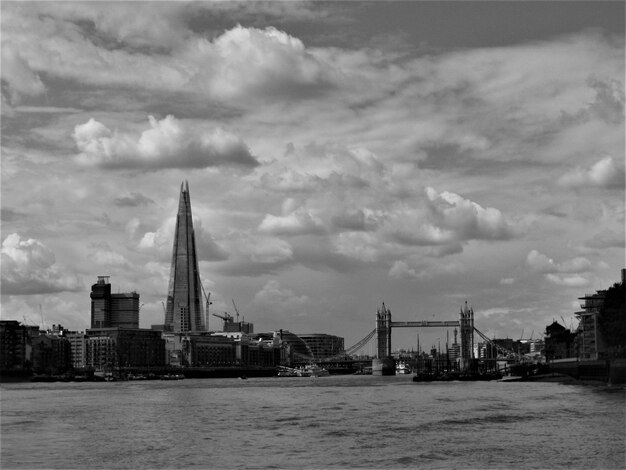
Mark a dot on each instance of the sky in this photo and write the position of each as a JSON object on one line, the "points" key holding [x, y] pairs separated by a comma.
{"points": [[339, 155]]}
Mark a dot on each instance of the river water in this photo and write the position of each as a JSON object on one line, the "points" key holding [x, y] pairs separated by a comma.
{"points": [[326, 422]]}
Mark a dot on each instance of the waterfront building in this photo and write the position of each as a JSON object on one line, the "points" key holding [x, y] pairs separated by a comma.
{"points": [[77, 347], [323, 345], [109, 348], [294, 348], [199, 349], [113, 310], [15, 346], [559, 342], [589, 340], [184, 298], [51, 354], [100, 354], [222, 349]]}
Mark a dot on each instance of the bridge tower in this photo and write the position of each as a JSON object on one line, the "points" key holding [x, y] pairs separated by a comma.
{"points": [[467, 335], [383, 332], [383, 364]]}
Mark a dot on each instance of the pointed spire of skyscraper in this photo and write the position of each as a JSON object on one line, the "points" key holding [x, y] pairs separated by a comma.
{"points": [[184, 296]]}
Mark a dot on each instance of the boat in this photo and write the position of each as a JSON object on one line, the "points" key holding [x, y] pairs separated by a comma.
{"points": [[402, 369], [314, 370], [172, 377]]}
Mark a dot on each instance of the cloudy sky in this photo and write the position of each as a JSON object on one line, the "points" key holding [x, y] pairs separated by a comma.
{"points": [[339, 154]]}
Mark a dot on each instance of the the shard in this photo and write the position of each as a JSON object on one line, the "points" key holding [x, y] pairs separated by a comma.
{"points": [[184, 298]]}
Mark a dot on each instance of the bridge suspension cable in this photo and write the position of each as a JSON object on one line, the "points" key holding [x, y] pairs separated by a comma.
{"points": [[352, 349], [506, 352]]}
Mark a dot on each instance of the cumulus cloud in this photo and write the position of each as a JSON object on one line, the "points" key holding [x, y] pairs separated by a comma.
{"points": [[169, 143], [541, 263], [29, 267], [363, 246], [605, 173], [265, 61], [299, 222], [154, 47], [566, 274], [446, 220], [466, 218]]}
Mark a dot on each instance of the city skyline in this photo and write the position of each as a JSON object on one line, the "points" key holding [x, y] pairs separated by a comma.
{"points": [[341, 155]]}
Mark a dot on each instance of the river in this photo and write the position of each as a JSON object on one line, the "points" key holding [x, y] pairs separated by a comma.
{"points": [[325, 422]]}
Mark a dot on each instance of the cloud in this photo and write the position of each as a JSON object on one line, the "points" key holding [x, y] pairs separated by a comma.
{"points": [[421, 271], [567, 281], [605, 173], [133, 199], [281, 302], [362, 246], [169, 143], [566, 274], [299, 222], [29, 267], [110, 259], [20, 80], [269, 250], [607, 239], [9, 215], [154, 47], [449, 220], [255, 62], [466, 218], [539, 262], [353, 220]]}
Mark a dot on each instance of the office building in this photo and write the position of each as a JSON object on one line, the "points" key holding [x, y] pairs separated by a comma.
{"points": [[113, 310], [322, 345], [184, 298]]}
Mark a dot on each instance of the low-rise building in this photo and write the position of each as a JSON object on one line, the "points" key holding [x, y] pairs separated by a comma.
{"points": [[559, 342], [108, 348], [51, 354]]}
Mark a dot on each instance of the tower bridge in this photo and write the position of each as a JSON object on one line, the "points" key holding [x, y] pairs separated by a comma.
{"points": [[383, 363]]}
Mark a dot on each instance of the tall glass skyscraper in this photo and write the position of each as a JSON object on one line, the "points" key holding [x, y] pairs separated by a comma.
{"points": [[184, 298]]}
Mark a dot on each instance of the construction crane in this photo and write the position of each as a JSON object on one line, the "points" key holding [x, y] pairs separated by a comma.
{"points": [[206, 308], [228, 318], [236, 310]]}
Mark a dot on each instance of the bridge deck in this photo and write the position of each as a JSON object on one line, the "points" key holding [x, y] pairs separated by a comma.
{"points": [[424, 323]]}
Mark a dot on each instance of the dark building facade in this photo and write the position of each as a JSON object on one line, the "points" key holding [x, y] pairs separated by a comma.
{"points": [[51, 354], [322, 345], [113, 310], [112, 348], [559, 342], [15, 346], [184, 298]]}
